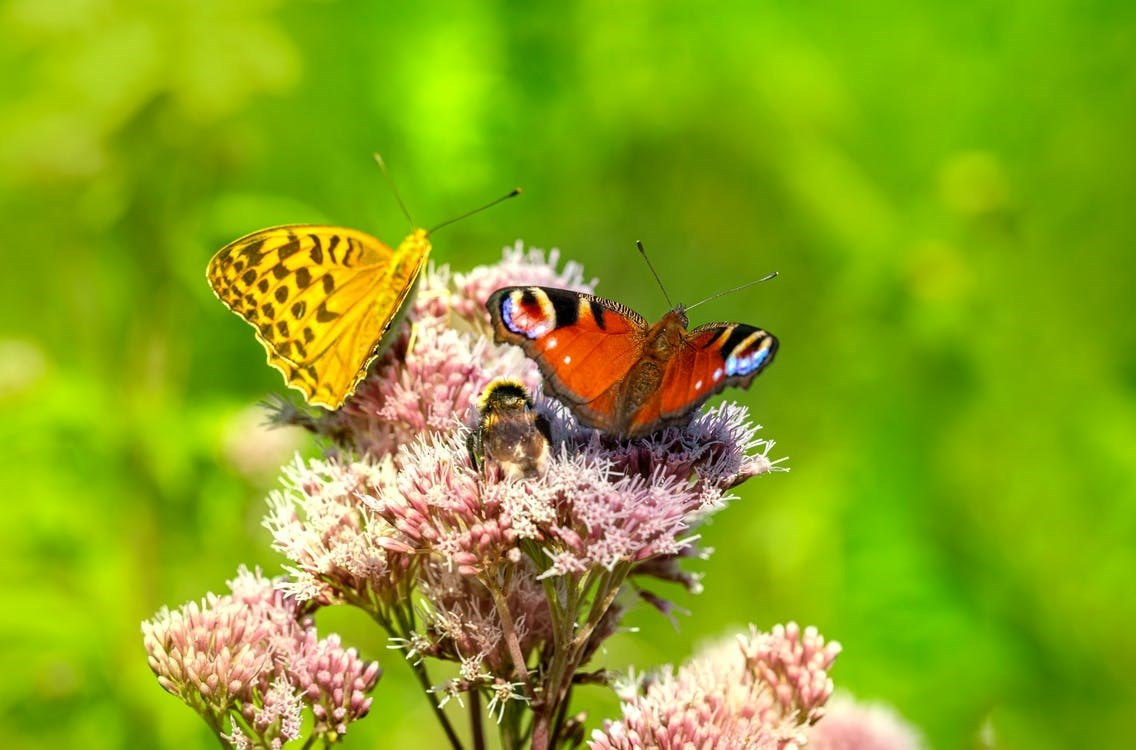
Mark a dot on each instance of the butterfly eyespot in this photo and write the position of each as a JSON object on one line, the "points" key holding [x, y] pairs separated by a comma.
{"points": [[529, 313], [746, 362]]}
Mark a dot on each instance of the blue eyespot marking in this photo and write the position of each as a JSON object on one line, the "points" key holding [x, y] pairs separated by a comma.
{"points": [[746, 362]]}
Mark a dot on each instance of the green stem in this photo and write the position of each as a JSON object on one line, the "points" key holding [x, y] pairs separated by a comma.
{"points": [[562, 659], [610, 586], [561, 713], [571, 649], [475, 727], [509, 630]]}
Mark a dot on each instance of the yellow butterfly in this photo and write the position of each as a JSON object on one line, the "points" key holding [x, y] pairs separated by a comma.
{"points": [[321, 299]]}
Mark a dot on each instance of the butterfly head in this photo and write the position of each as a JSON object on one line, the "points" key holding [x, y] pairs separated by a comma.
{"points": [[416, 244], [678, 315], [665, 338]]}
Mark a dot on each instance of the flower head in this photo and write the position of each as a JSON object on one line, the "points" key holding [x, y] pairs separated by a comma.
{"points": [[254, 657], [463, 624], [849, 725], [597, 505], [335, 541], [333, 680], [217, 653], [755, 693]]}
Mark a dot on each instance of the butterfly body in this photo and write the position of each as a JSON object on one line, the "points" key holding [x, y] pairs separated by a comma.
{"points": [[321, 299], [615, 371]]}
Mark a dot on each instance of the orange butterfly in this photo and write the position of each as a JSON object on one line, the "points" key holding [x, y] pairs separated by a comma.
{"points": [[615, 371]]}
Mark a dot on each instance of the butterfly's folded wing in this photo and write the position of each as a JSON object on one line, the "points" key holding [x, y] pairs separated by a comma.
{"points": [[319, 298], [584, 345], [714, 356]]}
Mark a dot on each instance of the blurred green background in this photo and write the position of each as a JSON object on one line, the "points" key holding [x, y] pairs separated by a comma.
{"points": [[948, 191]]}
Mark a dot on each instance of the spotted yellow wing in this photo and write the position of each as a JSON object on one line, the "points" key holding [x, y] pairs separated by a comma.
{"points": [[320, 299]]}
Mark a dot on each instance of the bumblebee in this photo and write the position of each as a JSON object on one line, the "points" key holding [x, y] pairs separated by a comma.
{"points": [[510, 434]]}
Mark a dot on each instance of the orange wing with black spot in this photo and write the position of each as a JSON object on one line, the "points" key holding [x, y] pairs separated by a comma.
{"points": [[616, 373], [320, 299], [712, 357], [585, 346]]}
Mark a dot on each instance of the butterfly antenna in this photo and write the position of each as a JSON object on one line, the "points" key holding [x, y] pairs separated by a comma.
{"points": [[512, 194], [654, 273], [766, 277], [394, 188]]}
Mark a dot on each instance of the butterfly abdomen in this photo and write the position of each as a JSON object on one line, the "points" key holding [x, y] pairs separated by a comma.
{"points": [[639, 385]]}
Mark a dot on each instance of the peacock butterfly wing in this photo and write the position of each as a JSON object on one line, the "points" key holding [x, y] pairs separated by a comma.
{"points": [[720, 355], [712, 357], [583, 345]]}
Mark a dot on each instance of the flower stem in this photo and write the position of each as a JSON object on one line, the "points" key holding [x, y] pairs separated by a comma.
{"points": [[610, 587], [571, 649], [509, 630], [562, 712], [475, 727]]}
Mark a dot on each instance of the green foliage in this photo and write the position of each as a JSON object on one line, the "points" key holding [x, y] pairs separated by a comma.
{"points": [[946, 190]]}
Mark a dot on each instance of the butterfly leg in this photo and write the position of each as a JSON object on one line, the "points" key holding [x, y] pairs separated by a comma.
{"points": [[411, 339]]}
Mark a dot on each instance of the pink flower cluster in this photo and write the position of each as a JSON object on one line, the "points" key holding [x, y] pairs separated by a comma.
{"points": [[757, 693], [338, 547], [253, 658], [849, 725], [462, 622], [600, 503], [459, 565]]}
